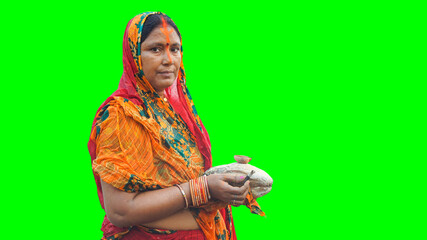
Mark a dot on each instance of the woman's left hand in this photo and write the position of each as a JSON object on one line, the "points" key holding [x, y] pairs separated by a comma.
{"points": [[223, 187], [242, 159]]}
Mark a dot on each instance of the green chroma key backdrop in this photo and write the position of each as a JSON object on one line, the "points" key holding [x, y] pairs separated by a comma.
{"points": [[325, 97]]}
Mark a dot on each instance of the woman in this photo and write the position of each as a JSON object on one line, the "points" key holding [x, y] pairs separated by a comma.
{"points": [[150, 149]]}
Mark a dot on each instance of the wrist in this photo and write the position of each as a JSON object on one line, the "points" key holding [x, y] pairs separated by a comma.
{"points": [[186, 188], [199, 191]]}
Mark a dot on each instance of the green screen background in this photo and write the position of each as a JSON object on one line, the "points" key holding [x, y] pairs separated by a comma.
{"points": [[327, 97]]}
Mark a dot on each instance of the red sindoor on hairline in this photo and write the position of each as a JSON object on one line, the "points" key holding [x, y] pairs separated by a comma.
{"points": [[164, 29]]}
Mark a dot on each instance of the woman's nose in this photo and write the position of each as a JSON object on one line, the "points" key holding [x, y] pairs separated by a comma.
{"points": [[167, 58]]}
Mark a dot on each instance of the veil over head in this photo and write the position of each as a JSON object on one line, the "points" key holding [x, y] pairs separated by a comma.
{"points": [[177, 94]]}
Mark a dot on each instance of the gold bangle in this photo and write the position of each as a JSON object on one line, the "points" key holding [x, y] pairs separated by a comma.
{"points": [[196, 192], [205, 178], [191, 183], [184, 195]]}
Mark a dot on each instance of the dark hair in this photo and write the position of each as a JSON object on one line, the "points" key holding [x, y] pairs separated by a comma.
{"points": [[153, 21]]}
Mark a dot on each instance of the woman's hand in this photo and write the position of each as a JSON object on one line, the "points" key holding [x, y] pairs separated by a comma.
{"points": [[230, 188], [242, 159], [220, 188]]}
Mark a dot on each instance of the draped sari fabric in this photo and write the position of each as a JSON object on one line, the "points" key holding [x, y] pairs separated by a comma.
{"points": [[140, 142]]}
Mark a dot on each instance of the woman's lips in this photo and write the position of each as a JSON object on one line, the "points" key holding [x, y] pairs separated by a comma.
{"points": [[166, 74]]}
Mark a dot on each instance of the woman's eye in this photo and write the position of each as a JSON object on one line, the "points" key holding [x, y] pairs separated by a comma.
{"points": [[175, 50], [155, 49]]}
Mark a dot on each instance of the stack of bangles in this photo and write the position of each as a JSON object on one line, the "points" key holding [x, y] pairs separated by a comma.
{"points": [[199, 191]]}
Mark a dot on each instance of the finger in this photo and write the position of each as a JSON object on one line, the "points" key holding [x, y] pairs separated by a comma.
{"points": [[242, 159], [244, 189], [234, 202], [246, 193], [230, 190], [237, 203], [238, 196], [234, 180], [235, 197]]}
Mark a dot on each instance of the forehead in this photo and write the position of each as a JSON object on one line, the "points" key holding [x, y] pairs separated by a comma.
{"points": [[158, 35]]}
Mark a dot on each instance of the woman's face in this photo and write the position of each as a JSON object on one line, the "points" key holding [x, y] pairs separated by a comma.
{"points": [[161, 57]]}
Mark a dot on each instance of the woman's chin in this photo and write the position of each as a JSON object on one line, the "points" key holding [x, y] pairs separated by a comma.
{"points": [[164, 83]]}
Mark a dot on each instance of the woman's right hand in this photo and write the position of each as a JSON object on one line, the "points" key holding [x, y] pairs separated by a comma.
{"points": [[221, 189]]}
